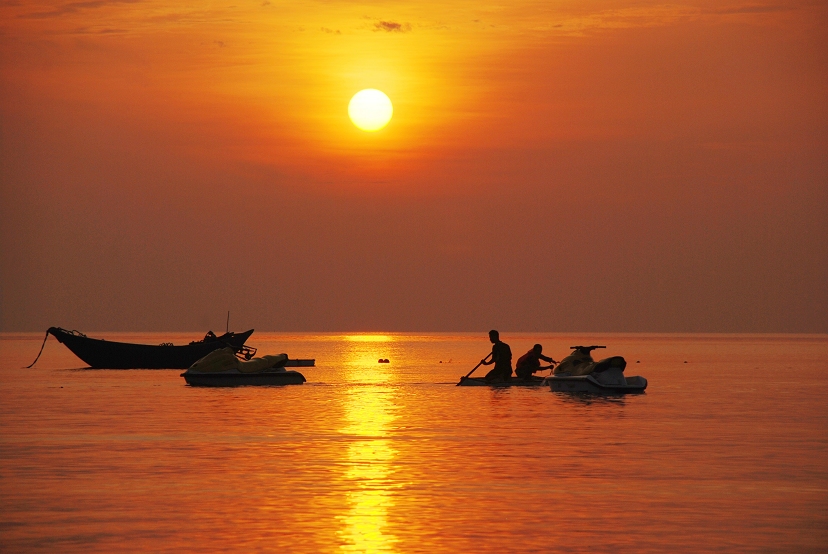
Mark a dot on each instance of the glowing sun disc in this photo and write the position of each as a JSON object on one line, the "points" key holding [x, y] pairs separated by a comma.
{"points": [[370, 109]]}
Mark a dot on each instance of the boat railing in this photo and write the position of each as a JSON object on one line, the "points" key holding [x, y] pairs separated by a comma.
{"points": [[245, 352], [73, 332]]}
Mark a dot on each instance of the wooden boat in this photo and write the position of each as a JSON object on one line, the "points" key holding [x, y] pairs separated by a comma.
{"points": [[104, 354], [513, 382], [276, 376]]}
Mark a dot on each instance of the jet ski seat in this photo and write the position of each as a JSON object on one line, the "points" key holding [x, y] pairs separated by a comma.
{"points": [[615, 362]]}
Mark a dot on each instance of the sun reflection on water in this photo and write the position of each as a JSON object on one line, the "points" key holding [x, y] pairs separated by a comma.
{"points": [[369, 338], [369, 412]]}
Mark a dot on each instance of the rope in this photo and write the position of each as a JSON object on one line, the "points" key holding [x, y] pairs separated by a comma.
{"points": [[41, 351]]}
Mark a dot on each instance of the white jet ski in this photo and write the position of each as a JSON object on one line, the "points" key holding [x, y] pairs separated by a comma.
{"points": [[578, 372], [222, 368]]}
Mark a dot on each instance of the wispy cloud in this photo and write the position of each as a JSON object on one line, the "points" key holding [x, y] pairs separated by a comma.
{"points": [[392, 27], [97, 31], [655, 15], [755, 8], [74, 7]]}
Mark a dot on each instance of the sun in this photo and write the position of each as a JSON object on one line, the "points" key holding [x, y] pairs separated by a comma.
{"points": [[370, 109]]}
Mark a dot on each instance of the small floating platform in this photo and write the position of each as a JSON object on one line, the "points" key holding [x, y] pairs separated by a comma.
{"points": [[514, 382], [300, 363], [237, 379]]}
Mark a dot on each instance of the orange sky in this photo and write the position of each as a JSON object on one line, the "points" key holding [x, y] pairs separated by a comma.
{"points": [[566, 166]]}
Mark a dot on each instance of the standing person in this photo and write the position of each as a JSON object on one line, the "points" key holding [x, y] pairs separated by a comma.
{"points": [[529, 363], [501, 358]]}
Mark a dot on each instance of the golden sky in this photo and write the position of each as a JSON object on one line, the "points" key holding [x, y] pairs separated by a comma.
{"points": [[546, 161]]}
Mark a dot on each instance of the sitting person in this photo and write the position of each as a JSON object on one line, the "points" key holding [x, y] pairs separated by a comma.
{"points": [[501, 358], [529, 363]]}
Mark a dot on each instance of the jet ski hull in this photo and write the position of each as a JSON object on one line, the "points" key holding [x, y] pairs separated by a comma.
{"points": [[591, 384], [237, 379]]}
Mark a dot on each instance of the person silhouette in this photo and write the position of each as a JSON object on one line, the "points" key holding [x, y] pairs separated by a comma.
{"points": [[501, 358], [529, 363]]}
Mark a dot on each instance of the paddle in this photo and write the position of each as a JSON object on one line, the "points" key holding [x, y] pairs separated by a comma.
{"points": [[475, 367]]}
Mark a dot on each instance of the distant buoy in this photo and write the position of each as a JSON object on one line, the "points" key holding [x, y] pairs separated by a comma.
{"points": [[383, 361]]}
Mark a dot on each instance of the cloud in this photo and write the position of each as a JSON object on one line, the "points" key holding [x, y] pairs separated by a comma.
{"points": [[330, 31], [94, 31], [767, 8], [74, 7], [392, 26]]}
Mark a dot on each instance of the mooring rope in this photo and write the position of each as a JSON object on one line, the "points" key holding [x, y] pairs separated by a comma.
{"points": [[41, 351]]}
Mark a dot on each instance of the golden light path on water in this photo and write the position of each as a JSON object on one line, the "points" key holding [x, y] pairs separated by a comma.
{"points": [[369, 411], [369, 338]]}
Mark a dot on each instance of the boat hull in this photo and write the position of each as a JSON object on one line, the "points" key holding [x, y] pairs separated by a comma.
{"points": [[238, 379], [589, 384], [481, 382], [104, 354]]}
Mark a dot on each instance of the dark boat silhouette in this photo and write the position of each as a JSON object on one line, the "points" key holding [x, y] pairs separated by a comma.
{"points": [[275, 377], [104, 354]]}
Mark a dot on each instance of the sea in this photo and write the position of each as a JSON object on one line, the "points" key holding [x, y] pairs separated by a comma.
{"points": [[726, 451]]}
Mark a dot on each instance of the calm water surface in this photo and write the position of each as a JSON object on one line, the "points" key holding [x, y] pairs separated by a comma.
{"points": [[727, 452]]}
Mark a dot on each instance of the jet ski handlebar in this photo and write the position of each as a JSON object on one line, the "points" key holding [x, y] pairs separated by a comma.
{"points": [[586, 349]]}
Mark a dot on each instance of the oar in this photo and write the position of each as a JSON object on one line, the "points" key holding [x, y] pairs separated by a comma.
{"points": [[475, 367]]}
